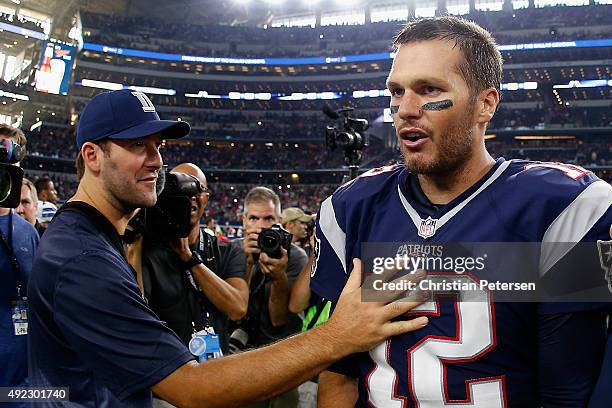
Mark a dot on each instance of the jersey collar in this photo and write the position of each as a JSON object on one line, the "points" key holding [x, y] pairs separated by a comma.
{"points": [[416, 203]]}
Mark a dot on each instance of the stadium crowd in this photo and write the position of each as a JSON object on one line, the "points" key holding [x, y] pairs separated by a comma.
{"points": [[550, 24], [587, 152], [21, 22]]}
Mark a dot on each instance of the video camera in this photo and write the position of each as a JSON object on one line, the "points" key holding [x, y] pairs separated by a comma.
{"points": [[272, 239], [170, 217], [11, 176], [351, 137]]}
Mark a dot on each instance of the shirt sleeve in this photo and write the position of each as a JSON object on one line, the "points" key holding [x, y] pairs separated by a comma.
{"points": [[569, 360], [602, 397], [297, 262], [101, 313], [329, 269], [232, 262]]}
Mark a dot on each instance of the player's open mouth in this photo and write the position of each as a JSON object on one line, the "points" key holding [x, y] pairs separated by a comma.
{"points": [[413, 137], [412, 134]]}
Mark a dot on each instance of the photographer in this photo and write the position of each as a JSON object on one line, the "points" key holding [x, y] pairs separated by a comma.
{"points": [[297, 223], [18, 242], [195, 282], [270, 278]]}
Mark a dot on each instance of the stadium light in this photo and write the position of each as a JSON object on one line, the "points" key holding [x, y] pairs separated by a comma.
{"points": [[14, 95], [111, 86], [152, 90], [35, 126]]}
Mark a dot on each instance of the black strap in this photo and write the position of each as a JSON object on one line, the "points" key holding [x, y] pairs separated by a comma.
{"points": [[320, 305], [7, 242], [206, 249]]}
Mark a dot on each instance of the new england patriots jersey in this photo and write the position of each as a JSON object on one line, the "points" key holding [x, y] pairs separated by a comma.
{"points": [[476, 354]]}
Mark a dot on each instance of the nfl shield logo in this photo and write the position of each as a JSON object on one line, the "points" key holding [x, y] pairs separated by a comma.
{"points": [[428, 227], [605, 259]]}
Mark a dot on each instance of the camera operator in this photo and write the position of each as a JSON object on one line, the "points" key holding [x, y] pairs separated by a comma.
{"points": [[18, 242], [270, 278], [195, 282]]}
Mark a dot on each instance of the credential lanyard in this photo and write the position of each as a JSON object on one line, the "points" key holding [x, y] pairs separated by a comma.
{"points": [[8, 244], [210, 256], [201, 320]]}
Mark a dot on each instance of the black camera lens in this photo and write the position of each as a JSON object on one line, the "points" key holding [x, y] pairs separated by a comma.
{"points": [[272, 240], [269, 241], [5, 184], [10, 185]]}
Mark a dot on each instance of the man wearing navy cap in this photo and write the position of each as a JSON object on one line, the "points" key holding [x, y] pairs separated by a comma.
{"points": [[91, 330]]}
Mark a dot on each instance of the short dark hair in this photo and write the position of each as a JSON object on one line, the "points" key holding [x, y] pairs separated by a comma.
{"points": [[41, 183], [80, 163], [481, 67], [14, 133]]}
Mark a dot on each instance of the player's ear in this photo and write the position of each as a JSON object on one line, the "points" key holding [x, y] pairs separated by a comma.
{"points": [[486, 105], [92, 153]]}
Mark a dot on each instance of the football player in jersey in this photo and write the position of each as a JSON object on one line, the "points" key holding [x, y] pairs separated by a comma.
{"points": [[445, 88]]}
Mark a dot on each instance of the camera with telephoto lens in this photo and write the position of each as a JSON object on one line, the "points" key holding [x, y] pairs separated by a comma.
{"points": [[170, 217], [11, 176], [272, 239]]}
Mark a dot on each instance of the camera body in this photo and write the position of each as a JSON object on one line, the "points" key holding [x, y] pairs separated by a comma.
{"points": [[11, 176], [272, 239], [170, 217], [351, 137]]}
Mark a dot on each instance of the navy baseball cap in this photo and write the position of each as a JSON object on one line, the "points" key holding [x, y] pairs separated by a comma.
{"points": [[124, 114]]}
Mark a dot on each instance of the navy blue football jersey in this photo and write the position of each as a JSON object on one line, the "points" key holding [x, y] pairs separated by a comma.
{"points": [[479, 353]]}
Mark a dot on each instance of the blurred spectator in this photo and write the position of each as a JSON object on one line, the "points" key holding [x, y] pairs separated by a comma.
{"points": [[28, 205], [46, 190], [296, 221], [46, 212]]}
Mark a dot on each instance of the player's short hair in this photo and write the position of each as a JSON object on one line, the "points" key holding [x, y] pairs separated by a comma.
{"points": [[262, 195], [481, 67], [14, 133]]}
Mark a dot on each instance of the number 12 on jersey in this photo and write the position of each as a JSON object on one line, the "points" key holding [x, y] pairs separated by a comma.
{"points": [[475, 336]]}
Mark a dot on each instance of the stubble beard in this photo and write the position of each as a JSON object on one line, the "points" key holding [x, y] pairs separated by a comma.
{"points": [[124, 192], [452, 151]]}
